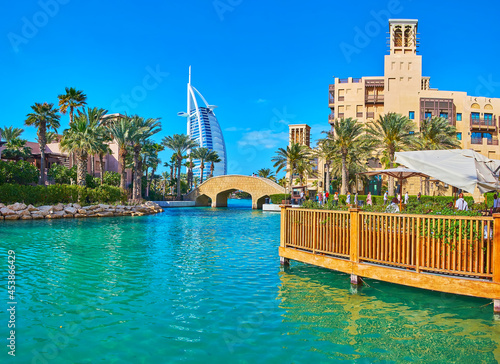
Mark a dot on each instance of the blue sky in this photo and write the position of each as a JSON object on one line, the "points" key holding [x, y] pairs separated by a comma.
{"points": [[265, 64]]}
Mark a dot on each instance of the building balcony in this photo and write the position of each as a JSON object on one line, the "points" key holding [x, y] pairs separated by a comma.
{"points": [[479, 141], [370, 115], [374, 99], [331, 118], [331, 101], [375, 83], [483, 124], [343, 80], [357, 80]]}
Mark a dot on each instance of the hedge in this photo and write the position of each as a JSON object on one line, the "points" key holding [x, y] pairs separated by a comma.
{"points": [[20, 172], [276, 199], [53, 194], [379, 200]]}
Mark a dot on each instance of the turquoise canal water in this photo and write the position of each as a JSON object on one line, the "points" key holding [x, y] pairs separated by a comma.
{"points": [[201, 285]]}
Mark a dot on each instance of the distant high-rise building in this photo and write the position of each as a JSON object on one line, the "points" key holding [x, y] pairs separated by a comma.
{"points": [[202, 126]]}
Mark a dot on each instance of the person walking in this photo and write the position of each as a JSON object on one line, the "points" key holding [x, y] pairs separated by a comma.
{"points": [[369, 199], [348, 198], [386, 195], [326, 197], [336, 198], [320, 196], [407, 198]]}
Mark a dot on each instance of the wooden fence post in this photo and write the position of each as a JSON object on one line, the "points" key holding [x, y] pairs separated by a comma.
{"points": [[354, 241], [283, 233], [495, 259]]}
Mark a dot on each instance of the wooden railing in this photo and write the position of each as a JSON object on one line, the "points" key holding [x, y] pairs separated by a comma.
{"points": [[453, 245], [325, 232], [455, 254]]}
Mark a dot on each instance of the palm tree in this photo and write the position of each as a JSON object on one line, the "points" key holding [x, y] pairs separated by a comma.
{"points": [[123, 133], [325, 151], [72, 99], [203, 155], [289, 158], [345, 139], [213, 158], [44, 117], [392, 133], [437, 133], [10, 133], [145, 129], [82, 138], [16, 149], [152, 160], [180, 144], [265, 173], [171, 165]]}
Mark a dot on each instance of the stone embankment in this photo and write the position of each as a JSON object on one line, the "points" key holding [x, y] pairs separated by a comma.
{"points": [[19, 211]]}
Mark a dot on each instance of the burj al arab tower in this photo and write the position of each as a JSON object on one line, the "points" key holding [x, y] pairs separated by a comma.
{"points": [[202, 126]]}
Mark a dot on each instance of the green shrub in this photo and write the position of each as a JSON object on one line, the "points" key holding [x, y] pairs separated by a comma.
{"points": [[53, 194], [111, 178], [276, 199], [61, 174], [18, 172]]}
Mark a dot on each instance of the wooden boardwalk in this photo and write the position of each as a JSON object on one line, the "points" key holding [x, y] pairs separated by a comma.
{"points": [[453, 254]]}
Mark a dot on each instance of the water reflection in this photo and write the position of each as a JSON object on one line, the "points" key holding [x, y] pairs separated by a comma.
{"points": [[386, 322]]}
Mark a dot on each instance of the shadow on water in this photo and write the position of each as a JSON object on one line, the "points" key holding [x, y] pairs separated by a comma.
{"points": [[387, 322]]}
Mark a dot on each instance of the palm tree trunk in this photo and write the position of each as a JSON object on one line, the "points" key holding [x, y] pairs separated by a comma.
{"points": [[81, 169], [101, 163], [123, 179], [391, 180], [42, 139], [92, 166], [212, 167], [327, 183], [344, 175], [202, 167], [179, 163], [148, 182], [136, 189]]}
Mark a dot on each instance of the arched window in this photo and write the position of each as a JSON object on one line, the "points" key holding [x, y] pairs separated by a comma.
{"points": [[408, 37], [475, 106], [398, 37]]}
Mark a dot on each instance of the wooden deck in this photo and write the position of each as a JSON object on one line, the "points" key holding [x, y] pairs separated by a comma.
{"points": [[453, 254]]}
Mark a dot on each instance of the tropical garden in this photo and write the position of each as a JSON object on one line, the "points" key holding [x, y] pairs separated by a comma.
{"points": [[86, 142], [350, 147]]}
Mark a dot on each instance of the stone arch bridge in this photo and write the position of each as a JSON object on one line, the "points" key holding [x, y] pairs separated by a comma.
{"points": [[219, 188]]}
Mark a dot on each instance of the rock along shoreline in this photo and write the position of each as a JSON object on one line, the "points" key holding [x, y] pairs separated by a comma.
{"points": [[20, 211]]}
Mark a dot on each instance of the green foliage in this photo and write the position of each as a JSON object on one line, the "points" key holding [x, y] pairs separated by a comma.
{"points": [[276, 199], [61, 174], [53, 194], [242, 194], [111, 178], [20, 172]]}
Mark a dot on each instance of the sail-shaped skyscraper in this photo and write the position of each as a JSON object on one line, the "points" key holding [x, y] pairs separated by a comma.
{"points": [[202, 126]]}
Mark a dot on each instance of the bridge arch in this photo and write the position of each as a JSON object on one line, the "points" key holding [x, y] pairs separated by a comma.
{"points": [[219, 188]]}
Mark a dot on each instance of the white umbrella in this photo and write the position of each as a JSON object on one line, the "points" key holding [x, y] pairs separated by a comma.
{"points": [[464, 169]]}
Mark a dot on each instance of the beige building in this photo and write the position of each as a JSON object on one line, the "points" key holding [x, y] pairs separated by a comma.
{"points": [[404, 90]]}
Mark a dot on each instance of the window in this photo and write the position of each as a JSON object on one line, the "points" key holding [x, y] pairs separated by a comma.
{"points": [[476, 135], [428, 115], [459, 136], [411, 115], [444, 115], [475, 116], [487, 136], [488, 117], [459, 118]]}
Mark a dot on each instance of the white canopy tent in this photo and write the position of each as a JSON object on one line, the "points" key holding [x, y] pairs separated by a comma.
{"points": [[461, 168]]}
